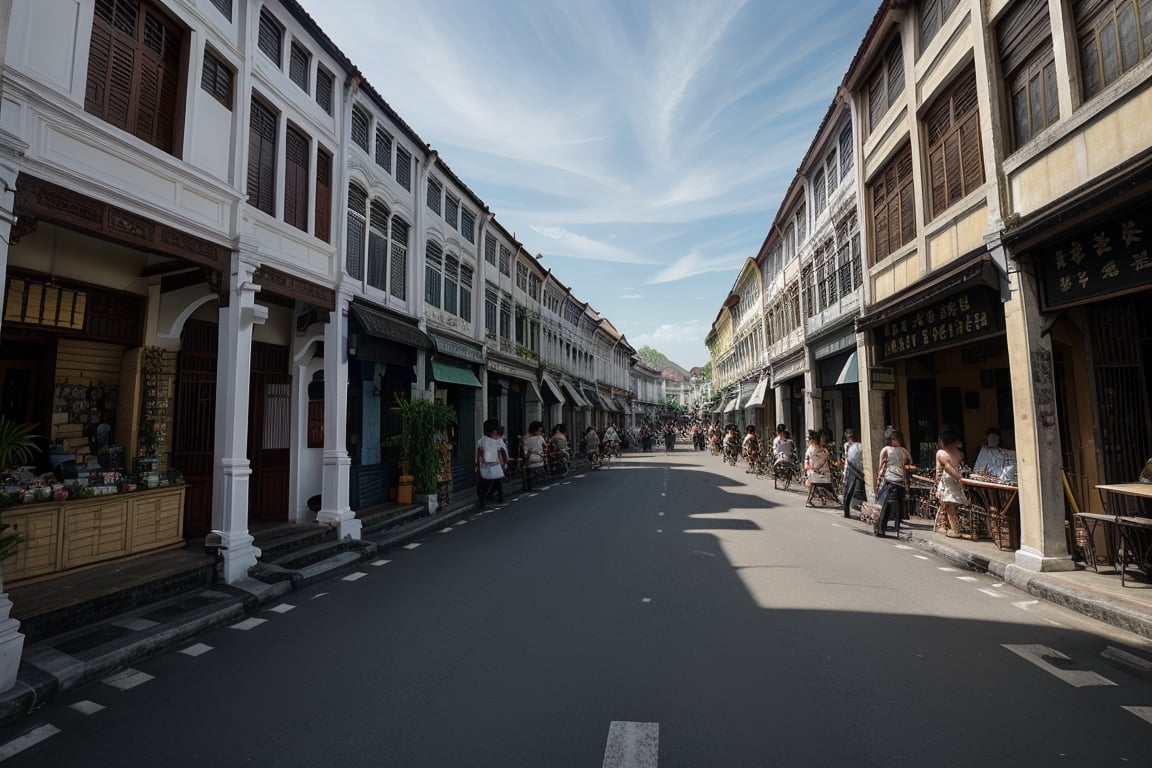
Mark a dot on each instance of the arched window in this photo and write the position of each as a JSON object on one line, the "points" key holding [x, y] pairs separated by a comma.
{"points": [[378, 247], [398, 273], [357, 215]]}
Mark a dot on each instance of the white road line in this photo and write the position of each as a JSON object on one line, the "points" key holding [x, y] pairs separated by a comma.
{"points": [[646, 600], [30, 739], [903, 546], [199, 649], [1038, 655], [659, 530], [378, 563], [318, 595], [127, 679], [282, 608], [969, 579], [632, 745], [947, 568], [1144, 713], [355, 576], [445, 530], [990, 592], [920, 557], [413, 545], [465, 522], [1025, 605], [87, 707], [1115, 654], [248, 624]]}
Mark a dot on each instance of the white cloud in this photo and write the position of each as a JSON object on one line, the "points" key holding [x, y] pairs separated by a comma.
{"points": [[576, 246], [696, 263], [630, 296], [681, 341]]}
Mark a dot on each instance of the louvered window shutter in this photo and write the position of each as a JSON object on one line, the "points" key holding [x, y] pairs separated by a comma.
{"points": [[398, 273], [324, 195], [357, 213], [296, 150], [262, 158]]}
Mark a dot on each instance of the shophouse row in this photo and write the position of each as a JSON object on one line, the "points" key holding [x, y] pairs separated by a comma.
{"points": [[226, 256], [965, 243]]}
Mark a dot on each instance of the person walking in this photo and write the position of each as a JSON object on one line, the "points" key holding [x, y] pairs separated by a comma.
{"points": [[491, 456], [891, 480], [949, 489], [592, 446], [669, 438], [853, 470], [817, 460]]}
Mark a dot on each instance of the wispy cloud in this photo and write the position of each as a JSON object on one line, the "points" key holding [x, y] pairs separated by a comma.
{"points": [[672, 337], [651, 133]]}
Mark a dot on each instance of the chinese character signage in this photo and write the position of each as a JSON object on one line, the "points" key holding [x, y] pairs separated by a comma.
{"points": [[1109, 258], [959, 318]]}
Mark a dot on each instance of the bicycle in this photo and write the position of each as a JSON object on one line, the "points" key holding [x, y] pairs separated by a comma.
{"points": [[556, 465], [784, 472]]}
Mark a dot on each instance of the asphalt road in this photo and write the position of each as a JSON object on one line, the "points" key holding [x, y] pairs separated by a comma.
{"points": [[667, 611]]}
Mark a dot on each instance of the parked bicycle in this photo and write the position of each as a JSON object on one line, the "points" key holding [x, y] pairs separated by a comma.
{"points": [[784, 473]]}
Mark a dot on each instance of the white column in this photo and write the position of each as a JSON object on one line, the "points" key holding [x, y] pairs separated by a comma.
{"points": [[334, 494], [233, 469]]}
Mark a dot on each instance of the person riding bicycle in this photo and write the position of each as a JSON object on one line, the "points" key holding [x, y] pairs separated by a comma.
{"points": [[611, 441], [592, 446], [731, 444], [533, 448], [750, 447], [785, 451]]}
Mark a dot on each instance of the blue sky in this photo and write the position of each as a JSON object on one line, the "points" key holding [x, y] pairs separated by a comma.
{"points": [[641, 146]]}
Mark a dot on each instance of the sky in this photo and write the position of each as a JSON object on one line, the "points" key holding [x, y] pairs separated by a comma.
{"points": [[642, 147]]}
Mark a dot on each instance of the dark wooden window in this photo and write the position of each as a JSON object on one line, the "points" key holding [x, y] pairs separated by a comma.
{"points": [[270, 37], [886, 84], [297, 150], [468, 225], [404, 167], [819, 193], [452, 210], [955, 164], [324, 85], [452, 284], [378, 246], [357, 224], [225, 7], [1114, 36], [324, 195], [466, 273], [299, 65], [893, 206], [216, 78], [434, 193], [134, 70], [845, 151], [490, 249], [262, 158], [384, 150], [360, 123], [398, 274], [505, 260], [1024, 38], [933, 14]]}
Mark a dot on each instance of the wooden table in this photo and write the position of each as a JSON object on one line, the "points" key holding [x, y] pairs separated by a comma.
{"points": [[1133, 534], [998, 500], [1107, 523]]}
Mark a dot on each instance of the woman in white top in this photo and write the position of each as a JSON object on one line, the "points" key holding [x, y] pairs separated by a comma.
{"points": [[818, 460], [890, 480], [533, 447]]}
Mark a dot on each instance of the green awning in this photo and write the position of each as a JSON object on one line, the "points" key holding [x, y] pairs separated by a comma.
{"points": [[449, 373], [850, 373]]}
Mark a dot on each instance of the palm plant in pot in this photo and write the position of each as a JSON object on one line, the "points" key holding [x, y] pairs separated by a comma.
{"points": [[16, 448], [423, 424]]}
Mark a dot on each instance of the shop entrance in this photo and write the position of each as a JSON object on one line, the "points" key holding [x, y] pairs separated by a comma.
{"points": [[22, 380], [923, 425], [269, 433]]}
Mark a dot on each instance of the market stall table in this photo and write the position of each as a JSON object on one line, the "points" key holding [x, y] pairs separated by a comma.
{"points": [[998, 502], [1133, 533]]}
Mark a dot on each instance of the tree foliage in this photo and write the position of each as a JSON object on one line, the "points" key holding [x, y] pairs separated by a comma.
{"points": [[653, 358]]}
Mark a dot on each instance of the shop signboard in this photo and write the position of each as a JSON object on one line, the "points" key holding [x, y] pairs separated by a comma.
{"points": [[881, 379], [1111, 257], [958, 318]]}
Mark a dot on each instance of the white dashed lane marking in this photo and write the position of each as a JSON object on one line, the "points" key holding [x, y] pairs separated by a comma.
{"points": [[1025, 605], [199, 649], [355, 576], [413, 545], [920, 557], [87, 707], [248, 624], [1042, 656], [127, 679], [632, 745], [318, 595], [1144, 713], [282, 608], [378, 563], [30, 739], [990, 592], [445, 530], [969, 579], [947, 568]]}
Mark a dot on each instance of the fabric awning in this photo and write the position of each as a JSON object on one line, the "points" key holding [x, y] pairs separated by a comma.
{"points": [[553, 387], [383, 326], [757, 397], [574, 394], [623, 406], [733, 405], [607, 403], [850, 373], [449, 373]]}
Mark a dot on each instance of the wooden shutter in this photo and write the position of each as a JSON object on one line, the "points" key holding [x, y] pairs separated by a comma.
{"points": [[895, 72], [298, 66], [134, 64], [954, 158], [269, 36], [262, 158], [1024, 29], [216, 79], [398, 272], [357, 214], [323, 195], [296, 152], [324, 89], [907, 199]]}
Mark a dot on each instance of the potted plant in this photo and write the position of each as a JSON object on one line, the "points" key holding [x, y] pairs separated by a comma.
{"points": [[16, 448], [423, 424]]}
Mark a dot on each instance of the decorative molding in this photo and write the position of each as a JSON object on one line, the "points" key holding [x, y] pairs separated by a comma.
{"points": [[49, 202], [292, 287]]}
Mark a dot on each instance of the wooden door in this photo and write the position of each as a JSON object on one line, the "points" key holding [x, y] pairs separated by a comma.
{"points": [[194, 422], [269, 433], [923, 421]]}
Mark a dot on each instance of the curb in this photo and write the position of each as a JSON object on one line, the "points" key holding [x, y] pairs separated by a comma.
{"points": [[1126, 615]]}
